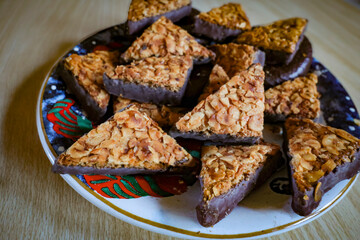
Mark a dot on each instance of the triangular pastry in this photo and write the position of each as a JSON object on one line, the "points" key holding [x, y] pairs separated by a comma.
{"points": [[298, 98], [319, 157], [280, 40], [128, 143], [229, 173], [160, 80], [233, 114], [222, 22], [162, 38], [143, 13]]}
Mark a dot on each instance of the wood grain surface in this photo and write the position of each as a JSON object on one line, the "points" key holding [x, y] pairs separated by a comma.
{"points": [[37, 204]]}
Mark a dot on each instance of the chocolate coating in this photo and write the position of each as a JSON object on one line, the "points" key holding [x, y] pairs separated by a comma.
{"points": [[305, 207], [300, 65], [198, 78], [213, 31], [211, 212], [118, 171], [90, 106], [187, 23], [218, 139], [273, 118], [175, 15], [144, 93]]}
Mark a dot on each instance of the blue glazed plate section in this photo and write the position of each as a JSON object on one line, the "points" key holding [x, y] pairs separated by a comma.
{"points": [[338, 109]]}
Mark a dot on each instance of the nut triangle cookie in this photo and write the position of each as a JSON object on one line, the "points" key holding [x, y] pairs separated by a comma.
{"points": [[83, 75], [160, 80], [298, 99], [280, 40], [319, 157], [128, 143], [233, 114], [143, 13], [229, 173], [222, 22], [162, 38]]}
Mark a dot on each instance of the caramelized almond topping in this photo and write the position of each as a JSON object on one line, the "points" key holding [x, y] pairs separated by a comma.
{"points": [[162, 38], [298, 98], [237, 108], [317, 150], [140, 9], [230, 15], [129, 139], [224, 167], [281, 35], [168, 72], [317, 193]]}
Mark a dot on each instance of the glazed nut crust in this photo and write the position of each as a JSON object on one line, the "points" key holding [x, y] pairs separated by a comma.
{"points": [[298, 98], [237, 108], [162, 38], [89, 69], [230, 15], [140, 9], [316, 150], [217, 78], [163, 115], [129, 139], [281, 35], [234, 57], [224, 167], [168, 72]]}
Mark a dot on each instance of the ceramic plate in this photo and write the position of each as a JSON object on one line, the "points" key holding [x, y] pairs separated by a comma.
{"points": [[167, 204]]}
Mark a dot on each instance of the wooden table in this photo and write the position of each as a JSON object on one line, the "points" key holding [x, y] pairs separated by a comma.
{"points": [[37, 204]]}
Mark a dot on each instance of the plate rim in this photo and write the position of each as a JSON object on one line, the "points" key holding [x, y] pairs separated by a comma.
{"points": [[105, 205]]}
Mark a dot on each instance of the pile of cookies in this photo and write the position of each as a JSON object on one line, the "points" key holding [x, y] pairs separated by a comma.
{"points": [[259, 74]]}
